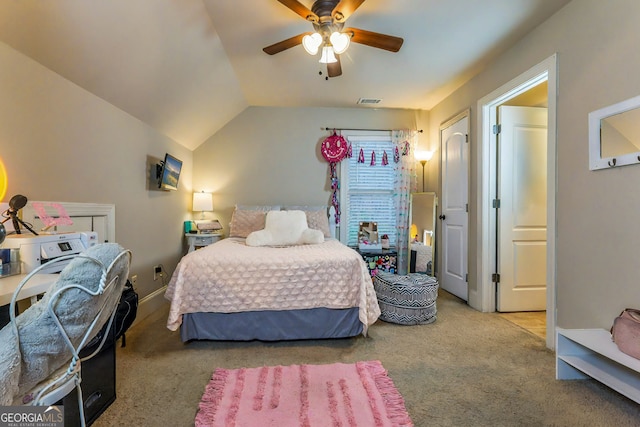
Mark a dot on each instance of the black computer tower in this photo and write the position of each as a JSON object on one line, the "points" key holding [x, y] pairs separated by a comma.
{"points": [[98, 384]]}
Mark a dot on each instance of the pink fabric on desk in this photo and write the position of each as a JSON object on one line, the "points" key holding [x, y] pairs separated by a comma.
{"points": [[359, 394]]}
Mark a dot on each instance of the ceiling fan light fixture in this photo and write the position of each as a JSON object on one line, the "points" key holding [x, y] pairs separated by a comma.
{"points": [[311, 43], [340, 42], [328, 56]]}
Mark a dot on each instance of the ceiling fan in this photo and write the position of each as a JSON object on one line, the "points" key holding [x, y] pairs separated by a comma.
{"points": [[330, 36]]}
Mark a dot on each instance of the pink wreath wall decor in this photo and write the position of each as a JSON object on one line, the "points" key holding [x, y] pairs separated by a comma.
{"points": [[334, 149]]}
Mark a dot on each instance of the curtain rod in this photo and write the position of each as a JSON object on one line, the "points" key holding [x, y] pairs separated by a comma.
{"points": [[376, 130]]}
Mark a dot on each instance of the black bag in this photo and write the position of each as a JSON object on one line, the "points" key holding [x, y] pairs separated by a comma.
{"points": [[125, 312]]}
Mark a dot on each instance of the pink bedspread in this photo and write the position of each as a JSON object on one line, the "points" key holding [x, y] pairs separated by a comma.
{"points": [[229, 277]]}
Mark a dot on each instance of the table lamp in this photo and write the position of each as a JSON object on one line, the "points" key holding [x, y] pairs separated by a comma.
{"points": [[202, 202]]}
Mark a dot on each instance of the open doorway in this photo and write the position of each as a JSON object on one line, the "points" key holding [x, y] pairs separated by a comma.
{"points": [[537, 77]]}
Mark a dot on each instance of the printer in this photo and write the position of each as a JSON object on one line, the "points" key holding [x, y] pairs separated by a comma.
{"points": [[36, 250]]}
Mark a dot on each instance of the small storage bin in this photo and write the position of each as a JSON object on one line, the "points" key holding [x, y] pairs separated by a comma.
{"points": [[406, 300]]}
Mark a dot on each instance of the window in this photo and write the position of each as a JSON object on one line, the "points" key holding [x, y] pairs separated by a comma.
{"points": [[366, 192]]}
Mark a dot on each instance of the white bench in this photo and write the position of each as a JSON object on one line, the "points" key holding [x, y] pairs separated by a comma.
{"points": [[590, 353]]}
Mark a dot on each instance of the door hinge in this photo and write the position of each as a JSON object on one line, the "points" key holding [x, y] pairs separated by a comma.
{"points": [[466, 138], [466, 277], [497, 129], [495, 277], [466, 207], [496, 203]]}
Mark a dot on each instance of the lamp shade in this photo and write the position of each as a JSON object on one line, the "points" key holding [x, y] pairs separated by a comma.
{"points": [[340, 42], [328, 56], [413, 232], [202, 202], [423, 155], [311, 43]]}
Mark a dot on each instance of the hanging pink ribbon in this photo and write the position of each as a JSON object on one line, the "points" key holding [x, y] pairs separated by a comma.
{"points": [[405, 148], [335, 186], [349, 151], [361, 156], [385, 160], [373, 158]]}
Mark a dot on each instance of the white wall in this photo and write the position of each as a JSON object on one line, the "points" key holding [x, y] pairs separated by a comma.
{"points": [[598, 238], [270, 155], [61, 143]]}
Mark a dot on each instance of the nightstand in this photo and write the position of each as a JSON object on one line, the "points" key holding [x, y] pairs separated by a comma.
{"points": [[200, 240]]}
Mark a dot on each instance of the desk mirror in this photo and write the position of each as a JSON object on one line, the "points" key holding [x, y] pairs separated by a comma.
{"points": [[614, 135], [422, 233]]}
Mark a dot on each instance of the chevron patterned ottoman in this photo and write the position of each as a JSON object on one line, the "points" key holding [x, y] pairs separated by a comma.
{"points": [[406, 300]]}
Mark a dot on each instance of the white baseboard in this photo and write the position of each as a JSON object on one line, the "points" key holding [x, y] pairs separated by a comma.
{"points": [[150, 303]]}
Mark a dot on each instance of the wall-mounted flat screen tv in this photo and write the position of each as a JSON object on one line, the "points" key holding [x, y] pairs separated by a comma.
{"points": [[170, 173]]}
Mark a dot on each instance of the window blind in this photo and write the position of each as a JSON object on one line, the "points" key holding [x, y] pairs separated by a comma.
{"points": [[369, 190]]}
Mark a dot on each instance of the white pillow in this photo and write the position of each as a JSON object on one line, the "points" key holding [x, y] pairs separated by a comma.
{"points": [[317, 217], [284, 228]]}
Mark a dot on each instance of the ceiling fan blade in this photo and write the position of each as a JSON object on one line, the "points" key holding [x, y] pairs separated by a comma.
{"points": [[284, 44], [344, 9], [334, 69], [300, 9], [381, 41]]}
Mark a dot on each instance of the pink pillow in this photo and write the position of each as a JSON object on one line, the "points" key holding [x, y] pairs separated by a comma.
{"points": [[318, 220], [245, 222]]}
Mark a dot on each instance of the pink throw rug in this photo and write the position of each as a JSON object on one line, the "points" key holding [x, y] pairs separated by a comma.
{"points": [[348, 395]]}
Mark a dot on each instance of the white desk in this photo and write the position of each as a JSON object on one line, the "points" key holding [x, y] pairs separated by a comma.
{"points": [[38, 284]]}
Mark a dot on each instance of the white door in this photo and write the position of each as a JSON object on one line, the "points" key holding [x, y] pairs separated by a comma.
{"points": [[454, 140], [522, 215]]}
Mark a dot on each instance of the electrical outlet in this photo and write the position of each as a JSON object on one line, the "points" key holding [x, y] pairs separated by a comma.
{"points": [[134, 279], [157, 272]]}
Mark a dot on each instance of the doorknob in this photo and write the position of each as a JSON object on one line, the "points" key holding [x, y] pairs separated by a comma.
{"points": [[442, 217]]}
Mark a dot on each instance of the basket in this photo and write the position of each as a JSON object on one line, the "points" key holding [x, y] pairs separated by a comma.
{"points": [[406, 300]]}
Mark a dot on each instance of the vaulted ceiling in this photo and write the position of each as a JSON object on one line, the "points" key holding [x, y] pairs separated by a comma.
{"points": [[187, 67]]}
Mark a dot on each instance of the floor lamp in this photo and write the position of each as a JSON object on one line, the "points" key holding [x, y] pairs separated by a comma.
{"points": [[423, 157]]}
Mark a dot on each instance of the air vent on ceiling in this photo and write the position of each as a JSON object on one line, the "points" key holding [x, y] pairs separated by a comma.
{"points": [[369, 101]]}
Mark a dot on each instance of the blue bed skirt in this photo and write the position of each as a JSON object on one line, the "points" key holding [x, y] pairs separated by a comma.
{"points": [[315, 323]]}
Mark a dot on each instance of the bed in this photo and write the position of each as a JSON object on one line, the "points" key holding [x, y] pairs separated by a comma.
{"points": [[233, 291]]}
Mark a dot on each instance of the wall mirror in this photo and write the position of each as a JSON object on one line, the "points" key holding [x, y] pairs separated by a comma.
{"points": [[422, 233], [614, 135]]}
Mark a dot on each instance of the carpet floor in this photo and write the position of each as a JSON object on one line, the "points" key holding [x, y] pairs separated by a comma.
{"points": [[466, 369]]}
